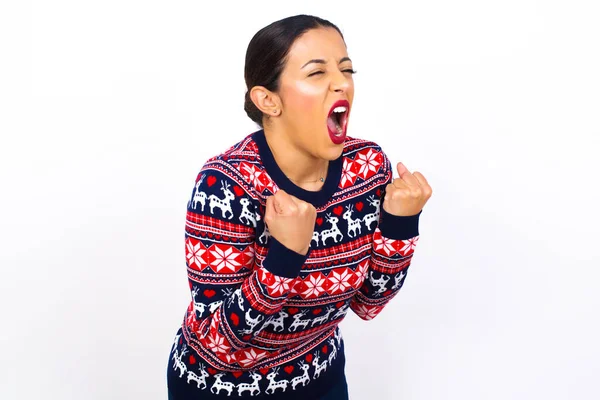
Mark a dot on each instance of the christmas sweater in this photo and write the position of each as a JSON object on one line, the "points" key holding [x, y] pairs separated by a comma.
{"points": [[263, 319]]}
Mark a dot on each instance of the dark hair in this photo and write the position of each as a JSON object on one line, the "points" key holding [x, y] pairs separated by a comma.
{"points": [[267, 54]]}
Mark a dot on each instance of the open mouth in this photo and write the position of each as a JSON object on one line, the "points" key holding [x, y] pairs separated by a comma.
{"points": [[338, 118]]}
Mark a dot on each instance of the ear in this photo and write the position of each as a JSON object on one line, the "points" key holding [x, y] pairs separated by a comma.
{"points": [[265, 100]]}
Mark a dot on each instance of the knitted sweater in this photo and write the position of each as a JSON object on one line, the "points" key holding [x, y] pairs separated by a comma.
{"points": [[263, 319]]}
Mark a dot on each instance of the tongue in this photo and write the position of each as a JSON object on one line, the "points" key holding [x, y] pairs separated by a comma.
{"points": [[332, 124]]}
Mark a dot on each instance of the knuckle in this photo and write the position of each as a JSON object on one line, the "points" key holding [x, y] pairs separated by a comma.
{"points": [[402, 193]]}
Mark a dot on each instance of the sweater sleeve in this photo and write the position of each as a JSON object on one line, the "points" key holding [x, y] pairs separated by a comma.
{"points": [[232, 293], [393, 245]]}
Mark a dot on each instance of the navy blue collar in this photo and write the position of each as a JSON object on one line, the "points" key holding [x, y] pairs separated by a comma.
{"points": [[318, 198]]}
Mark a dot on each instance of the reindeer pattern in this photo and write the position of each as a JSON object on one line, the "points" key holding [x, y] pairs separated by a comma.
{"points": [[351, 227], [227, 203], [225, 383], [347, 226], [341, 222]]}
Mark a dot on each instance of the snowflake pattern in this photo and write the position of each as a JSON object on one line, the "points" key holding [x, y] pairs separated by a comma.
{"points": [[253, 174], [339, 280], [406, 247], [251, 356], [228, 255], [313, 285], [361, 273], [224, 259], [217, 343], [349, 173], [195, 254], [369, 161], [383, 244], [276, 285], [247, 256], [366, 312]]}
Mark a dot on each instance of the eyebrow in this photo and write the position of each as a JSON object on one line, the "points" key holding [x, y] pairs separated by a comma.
{"points": [[321, 61]]}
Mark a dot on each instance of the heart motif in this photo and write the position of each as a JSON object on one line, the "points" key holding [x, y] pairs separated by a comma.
{"points": [[264, 371], [237, 374], [324, 349], [192, 359], [293, 310], [317, 311], [338, 210], [289, 369], [209, 293], [359, 205], [238, 191], [378, 192], [387, 292], [309, 358], [320, 221], [247, 337], [235, 319], [211, 370], [180, 340], [340, 304], [211, 180]]}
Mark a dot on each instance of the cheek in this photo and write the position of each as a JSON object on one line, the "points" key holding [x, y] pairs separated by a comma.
{"points": [[307, 98]]}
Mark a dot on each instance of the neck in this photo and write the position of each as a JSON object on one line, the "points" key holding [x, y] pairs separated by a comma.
{"points": [[298, 165]]}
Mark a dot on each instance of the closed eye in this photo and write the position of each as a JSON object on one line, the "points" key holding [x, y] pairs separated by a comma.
{"points": [[351, 71]]}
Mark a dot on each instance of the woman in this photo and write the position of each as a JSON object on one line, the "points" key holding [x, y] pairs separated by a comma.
{"points": [[286, 231]]}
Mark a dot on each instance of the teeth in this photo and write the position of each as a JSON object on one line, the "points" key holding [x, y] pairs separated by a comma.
{"points": [[338, 110]]}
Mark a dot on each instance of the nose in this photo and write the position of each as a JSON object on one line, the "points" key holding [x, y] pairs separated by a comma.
{"points": [[339, 82]]}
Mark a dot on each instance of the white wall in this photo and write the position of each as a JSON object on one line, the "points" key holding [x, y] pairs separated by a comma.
{"points": [[109, 109]]}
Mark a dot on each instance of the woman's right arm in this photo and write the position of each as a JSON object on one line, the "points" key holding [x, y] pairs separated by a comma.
{"points": [[233, 293]]}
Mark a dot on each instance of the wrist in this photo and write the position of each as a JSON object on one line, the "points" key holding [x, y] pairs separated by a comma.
{"points": [[399, 227], [283, 261]]}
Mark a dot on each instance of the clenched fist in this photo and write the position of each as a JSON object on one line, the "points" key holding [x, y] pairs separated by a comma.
{"points": [[406, 195], [291, 221]]}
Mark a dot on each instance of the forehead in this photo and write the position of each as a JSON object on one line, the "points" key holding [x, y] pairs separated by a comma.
{"points": [[324, 43]]}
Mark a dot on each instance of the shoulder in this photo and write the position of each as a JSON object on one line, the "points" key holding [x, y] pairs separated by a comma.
{"points": [[231, 168], [367, 158], [358, 147], [222, 194]]}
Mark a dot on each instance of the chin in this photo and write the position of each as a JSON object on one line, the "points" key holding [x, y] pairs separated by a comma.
{"points": [[332, 151]]}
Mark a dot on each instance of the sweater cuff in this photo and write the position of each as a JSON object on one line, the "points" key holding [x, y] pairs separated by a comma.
{"points": [[282, 261], [399, 227]]}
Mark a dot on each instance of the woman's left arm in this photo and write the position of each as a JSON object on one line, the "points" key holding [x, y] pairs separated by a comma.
{"points": [[394, 240]]}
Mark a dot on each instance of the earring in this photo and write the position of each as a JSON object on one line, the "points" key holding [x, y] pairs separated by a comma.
{"points": [[275, 112]]}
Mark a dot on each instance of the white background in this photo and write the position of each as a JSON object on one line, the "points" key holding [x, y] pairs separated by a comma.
{"points": [[110, 108]]}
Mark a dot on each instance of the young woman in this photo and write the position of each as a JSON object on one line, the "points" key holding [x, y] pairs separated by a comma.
{"points": [[289, 229]]}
